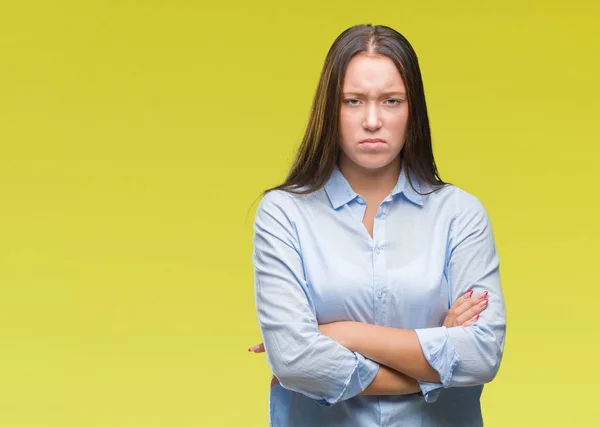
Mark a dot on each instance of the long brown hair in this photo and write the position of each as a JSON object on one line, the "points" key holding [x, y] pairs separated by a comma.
{"points": [[318, 153]]}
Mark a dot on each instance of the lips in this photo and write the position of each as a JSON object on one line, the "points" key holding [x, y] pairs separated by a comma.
{"points": [[372, 143]]}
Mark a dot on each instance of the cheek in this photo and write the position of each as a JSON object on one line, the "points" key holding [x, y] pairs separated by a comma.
{"points": [[399, 120], [347, 126], [397, 125]]}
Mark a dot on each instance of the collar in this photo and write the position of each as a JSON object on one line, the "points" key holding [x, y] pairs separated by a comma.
{"points": [[338, 189], [340, 192]]}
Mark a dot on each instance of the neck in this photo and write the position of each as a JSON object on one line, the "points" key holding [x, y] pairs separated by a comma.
{"points": [[370, 183]]}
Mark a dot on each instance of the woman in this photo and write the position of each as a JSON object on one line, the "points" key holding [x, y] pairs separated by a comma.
{"points": [[372, 275]]}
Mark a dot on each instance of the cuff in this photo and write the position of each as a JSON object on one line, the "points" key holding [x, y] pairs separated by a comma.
{"points": [[430, 391], [442, 357], [364, 372]]}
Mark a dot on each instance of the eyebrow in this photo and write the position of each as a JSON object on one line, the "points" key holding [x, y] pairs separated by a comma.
{"points": [[397, 93]]}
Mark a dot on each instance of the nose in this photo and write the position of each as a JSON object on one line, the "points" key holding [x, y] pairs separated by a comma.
{"points": [[372, 120]]}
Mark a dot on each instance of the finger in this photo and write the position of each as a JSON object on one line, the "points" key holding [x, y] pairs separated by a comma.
{"points": [[467, 304], [274, 381], [260, 348], [460, 302], [466, 297], [471, 321], [482, 295], [458, 308], [473, 311]]}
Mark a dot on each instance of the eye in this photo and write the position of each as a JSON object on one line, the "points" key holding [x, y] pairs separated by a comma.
{"points": [[351, 101], [395, 101]]}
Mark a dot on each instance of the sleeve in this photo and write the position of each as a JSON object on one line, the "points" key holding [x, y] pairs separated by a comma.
{"points": [[299, 356], [468, 356]]}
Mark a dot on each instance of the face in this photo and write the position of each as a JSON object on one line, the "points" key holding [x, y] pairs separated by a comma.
{"points": [[374, 113]]}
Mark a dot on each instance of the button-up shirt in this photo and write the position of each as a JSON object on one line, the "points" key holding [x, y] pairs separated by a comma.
{"points": [[316, 263]]}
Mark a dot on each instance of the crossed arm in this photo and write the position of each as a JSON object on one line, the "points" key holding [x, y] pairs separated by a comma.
{"points": [[397, 351]]}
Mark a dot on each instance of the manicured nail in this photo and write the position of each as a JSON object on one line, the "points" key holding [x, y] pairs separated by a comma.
{"points": [[468, 294], [483, 303], [483, 295], [476, 316]]}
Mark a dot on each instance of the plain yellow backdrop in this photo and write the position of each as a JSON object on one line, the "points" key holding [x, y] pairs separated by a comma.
{"points": [[136, 135]]}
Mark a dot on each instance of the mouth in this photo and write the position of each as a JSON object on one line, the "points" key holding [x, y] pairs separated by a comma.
{"points": [[372, 143]]}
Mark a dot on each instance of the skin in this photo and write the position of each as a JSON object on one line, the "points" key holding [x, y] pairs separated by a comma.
{"points": [[374, 105]]}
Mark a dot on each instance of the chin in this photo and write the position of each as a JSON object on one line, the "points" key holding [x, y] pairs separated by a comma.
{"points": [[370, 161], [374, 161]]}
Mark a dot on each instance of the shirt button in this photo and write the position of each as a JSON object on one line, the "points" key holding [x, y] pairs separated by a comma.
{"points": [[378, 251], [379, 294]]}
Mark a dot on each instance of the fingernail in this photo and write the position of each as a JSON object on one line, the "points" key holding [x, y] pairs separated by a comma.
{"points": [[483, 295], [250, 350], [468, 294], [483, 303], [476, 316]]}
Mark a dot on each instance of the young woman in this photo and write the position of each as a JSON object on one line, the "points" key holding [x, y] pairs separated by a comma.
{"points": [[377, 284]]}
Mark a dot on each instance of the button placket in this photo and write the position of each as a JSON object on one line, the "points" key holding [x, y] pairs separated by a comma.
{"points": [[379, 268]]}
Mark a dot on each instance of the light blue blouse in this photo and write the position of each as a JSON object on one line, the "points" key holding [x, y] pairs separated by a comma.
{"points": [[315, 263]]}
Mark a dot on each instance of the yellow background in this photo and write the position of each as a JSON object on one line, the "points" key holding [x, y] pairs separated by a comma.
{"points": [[136, 135]]}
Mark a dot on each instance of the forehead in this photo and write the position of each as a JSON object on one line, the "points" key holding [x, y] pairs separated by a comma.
{"points": [[368, 72]]}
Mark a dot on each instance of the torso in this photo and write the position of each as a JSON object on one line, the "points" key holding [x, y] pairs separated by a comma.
{"points": [[394, 276]]}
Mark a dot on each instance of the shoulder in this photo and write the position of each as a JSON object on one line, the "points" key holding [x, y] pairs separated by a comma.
{"points": [[457, 201], [283, 199], [274, 198], [469, 216], [277, 216], [282, 205], [292, 203], [274, 203]]}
